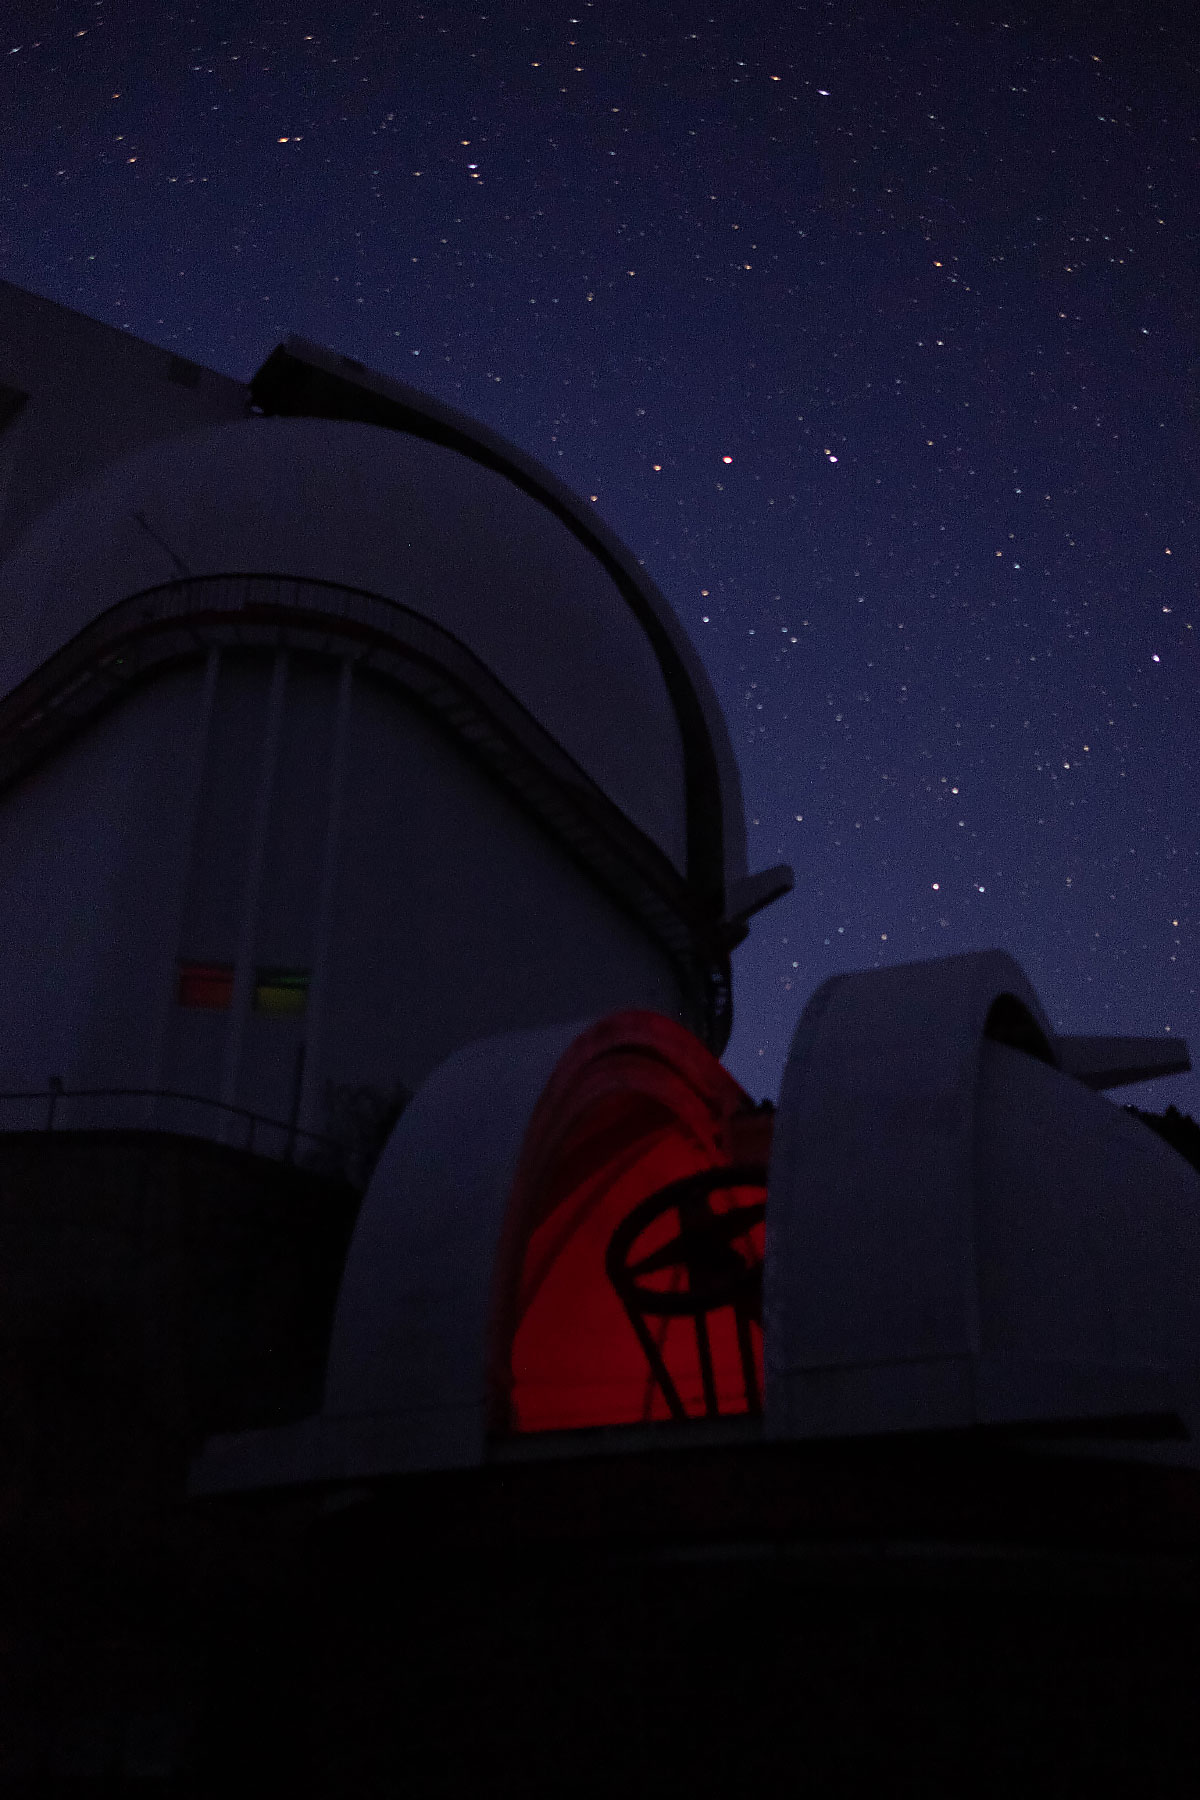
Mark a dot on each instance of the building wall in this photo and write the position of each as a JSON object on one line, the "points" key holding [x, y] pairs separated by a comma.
{"points": [[486, 925], [207, 823], [90, 849], [153, 1289]]}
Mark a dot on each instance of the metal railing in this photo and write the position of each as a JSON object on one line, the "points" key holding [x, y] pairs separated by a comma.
{"points": [[47, 1106]]}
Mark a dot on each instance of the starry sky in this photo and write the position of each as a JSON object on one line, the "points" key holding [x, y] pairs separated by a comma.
{"points": [[871, 328]]}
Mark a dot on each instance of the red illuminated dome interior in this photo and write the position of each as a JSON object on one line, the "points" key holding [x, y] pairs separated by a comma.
{"points": [[605, 1318]]}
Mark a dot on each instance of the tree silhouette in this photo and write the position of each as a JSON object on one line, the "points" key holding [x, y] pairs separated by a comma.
{"points": [[1178, 1129]]}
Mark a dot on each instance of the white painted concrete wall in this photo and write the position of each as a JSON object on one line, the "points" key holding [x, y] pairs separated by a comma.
{"points": [[451, 914]]}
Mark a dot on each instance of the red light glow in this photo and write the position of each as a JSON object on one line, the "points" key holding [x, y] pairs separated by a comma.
{"points": [[637, 1103]]}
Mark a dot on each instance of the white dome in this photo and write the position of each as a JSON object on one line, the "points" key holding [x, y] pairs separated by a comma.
{"points": [[1087, 1241], [961, 1233], [371, 508]]}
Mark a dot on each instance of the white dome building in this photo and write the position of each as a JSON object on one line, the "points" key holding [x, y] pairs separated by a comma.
{"points": [[405, 1319], [331, 741]]}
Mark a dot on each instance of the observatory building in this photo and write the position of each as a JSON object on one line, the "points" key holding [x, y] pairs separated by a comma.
{"points": [[423, 1367]]}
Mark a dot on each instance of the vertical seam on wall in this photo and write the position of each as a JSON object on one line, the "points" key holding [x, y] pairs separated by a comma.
{"points": [[243, 968], [323, 923], [200, 751]]}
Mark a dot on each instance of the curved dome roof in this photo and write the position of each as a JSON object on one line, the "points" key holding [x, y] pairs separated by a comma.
{"points": [[959, 1232], [373, 508]]}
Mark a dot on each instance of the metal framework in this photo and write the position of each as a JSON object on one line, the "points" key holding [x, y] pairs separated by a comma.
{"points": [[718, 1274], [51, 1097]]}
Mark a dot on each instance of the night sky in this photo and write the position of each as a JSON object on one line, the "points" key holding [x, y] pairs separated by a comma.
{"points": [[872, 330]]}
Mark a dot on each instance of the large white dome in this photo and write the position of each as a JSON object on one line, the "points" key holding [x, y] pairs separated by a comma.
{"points": [[418, 523]]}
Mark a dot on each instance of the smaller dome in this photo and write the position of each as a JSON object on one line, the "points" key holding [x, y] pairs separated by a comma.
{"points": [[1087, 1244], [961, 1233], [476, 1295]]}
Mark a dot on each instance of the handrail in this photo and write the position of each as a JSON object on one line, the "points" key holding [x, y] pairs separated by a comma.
{"points": [[55, 1092], [174, 620]]}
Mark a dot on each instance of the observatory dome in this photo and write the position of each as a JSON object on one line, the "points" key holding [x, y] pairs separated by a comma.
{"points": [[418, 752], [420, 525], [963, 1231], [591, 1226]]}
